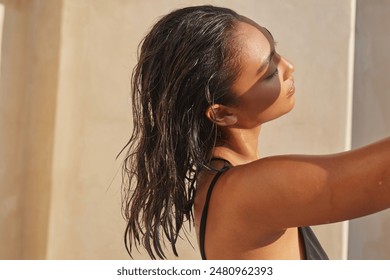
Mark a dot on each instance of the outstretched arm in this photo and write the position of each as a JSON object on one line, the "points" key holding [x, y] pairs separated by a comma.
{"points": [[295, 190]]}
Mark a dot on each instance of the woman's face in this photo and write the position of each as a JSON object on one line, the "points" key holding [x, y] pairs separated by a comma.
{"points": [[264, 89]]}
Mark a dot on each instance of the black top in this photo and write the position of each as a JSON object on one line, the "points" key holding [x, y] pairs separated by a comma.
{"points": [[313, 248]]}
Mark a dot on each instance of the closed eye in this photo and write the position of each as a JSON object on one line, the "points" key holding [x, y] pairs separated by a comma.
{"points": [[275, 73]]}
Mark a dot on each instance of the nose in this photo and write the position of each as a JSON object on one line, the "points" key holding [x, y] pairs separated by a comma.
{"points": [[288, 68]]}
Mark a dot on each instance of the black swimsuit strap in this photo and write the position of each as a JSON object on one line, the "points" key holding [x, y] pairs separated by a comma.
{"points": [[202, 227], [227, 163], [313, 248]]}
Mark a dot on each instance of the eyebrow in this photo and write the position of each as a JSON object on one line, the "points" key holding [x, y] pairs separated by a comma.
{"points": [[266, 61]]}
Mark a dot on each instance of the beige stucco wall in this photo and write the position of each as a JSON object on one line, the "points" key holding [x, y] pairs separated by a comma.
{"points": [[65, 113], [29, 69], [369, 237]]}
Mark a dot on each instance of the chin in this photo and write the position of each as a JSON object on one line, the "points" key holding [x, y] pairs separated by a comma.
{"points": [[282, 112]]}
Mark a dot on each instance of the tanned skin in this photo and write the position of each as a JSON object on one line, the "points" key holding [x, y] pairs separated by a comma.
{"points": [[258, 204]]}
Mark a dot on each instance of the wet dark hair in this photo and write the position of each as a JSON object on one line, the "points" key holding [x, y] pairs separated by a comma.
{"points": [[187, 62]]}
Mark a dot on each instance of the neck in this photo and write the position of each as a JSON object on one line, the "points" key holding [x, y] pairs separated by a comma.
{"points": [[238, 145]]}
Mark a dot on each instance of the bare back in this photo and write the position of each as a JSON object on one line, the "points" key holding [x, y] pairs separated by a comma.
{"points": [[227, 237]]}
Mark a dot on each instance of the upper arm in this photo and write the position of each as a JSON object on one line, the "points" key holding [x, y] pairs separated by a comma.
{"points": [[288, 191]]}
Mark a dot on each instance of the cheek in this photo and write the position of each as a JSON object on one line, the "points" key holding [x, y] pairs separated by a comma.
{"points": [[265, 96], [261, 105]]}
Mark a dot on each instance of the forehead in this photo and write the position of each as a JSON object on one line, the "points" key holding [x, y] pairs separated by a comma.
{"points": [[256, 45], [254, 38]]}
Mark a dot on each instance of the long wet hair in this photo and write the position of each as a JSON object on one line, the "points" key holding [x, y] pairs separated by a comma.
{"points": [[186, 63]]}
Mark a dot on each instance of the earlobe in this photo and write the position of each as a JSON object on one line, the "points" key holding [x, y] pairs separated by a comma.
{"points": [[221, 115]]}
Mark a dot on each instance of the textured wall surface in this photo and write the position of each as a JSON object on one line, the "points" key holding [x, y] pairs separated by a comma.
{"points": [[29, 69], [369, 237]]}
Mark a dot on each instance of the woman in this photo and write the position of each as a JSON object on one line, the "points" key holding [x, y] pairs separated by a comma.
{"points": [[206, 80]]}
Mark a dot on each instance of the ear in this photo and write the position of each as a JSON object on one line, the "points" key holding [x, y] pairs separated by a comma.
{"points": [[221, 115]]}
